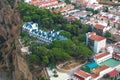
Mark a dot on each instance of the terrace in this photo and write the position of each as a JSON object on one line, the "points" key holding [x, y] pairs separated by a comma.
{"points": [[111, 62]]}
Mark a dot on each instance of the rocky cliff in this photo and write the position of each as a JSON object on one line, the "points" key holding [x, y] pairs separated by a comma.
{"points": [[12, 64]]}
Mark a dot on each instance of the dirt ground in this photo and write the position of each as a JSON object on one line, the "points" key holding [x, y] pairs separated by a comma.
{"points": [[70, 64]]}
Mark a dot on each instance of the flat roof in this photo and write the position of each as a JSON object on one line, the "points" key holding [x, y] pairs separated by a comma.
{"points": [[92, 65], [100, 55], [111, 62]]}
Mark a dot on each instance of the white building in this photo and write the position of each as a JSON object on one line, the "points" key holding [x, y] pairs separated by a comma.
{"points": [[101, 71], [94, 6], [117, 47], [84, 1], [96, 74], [95, 42], [101, 29], [92, 1], [29, 26], [27, 1], [101, 57], [43, 36]]}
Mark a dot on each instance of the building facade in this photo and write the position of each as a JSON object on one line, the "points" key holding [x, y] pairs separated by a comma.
{"points": [[95, 42]]}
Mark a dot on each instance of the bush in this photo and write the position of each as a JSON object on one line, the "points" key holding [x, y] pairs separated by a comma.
{"points": [[55, 75]]}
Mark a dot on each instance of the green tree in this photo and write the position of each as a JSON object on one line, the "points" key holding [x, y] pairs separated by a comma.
{"points": [[33, 59], [84, 50], [66, 45], [108, 34], [85, 28], [59, 54], [82, 37], [75, 39], [45, 60], [66, 34]]}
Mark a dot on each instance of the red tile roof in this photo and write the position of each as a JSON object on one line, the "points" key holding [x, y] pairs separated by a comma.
{"points": [[40, 2], [100, 55], [78, 77], [93, 36], [68, 7], [101, 68], [100, 26], [94, 75], [71, 17], [117, 56], [113, 73], [82, 73], [96, 37]]}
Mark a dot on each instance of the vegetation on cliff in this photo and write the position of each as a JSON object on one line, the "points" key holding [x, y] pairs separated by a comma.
{"points": [[57, 51]]}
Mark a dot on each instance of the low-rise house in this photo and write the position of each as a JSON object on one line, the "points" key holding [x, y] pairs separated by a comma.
{"points": [[42, 4], [101, 72], [81, 75], [94, 6], [73, 11], [82, 14], [71, 17], [95, 42], [96, 73], [101, 29], [116, 47], [64, 9], [101, 57], [59, 5], [116, 56], [92, 1], [111, 19], [84, 2], [80, 2], [116, 24]]}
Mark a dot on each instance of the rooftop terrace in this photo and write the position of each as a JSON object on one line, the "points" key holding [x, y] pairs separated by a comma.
{"points": [[110, 62]]}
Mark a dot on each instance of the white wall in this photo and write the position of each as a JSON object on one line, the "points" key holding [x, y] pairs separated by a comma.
{"points": [[98, 45], [27, 1], [103, 58], [102, 73], [92, 1], [35, 26], [88, 78], [105, 72]]}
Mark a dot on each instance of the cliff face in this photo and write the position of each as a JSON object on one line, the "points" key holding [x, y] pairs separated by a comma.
{"points": [[11, 60]]}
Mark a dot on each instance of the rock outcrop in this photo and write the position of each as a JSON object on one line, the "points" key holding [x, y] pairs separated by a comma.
{"points": [[12, 62]]}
